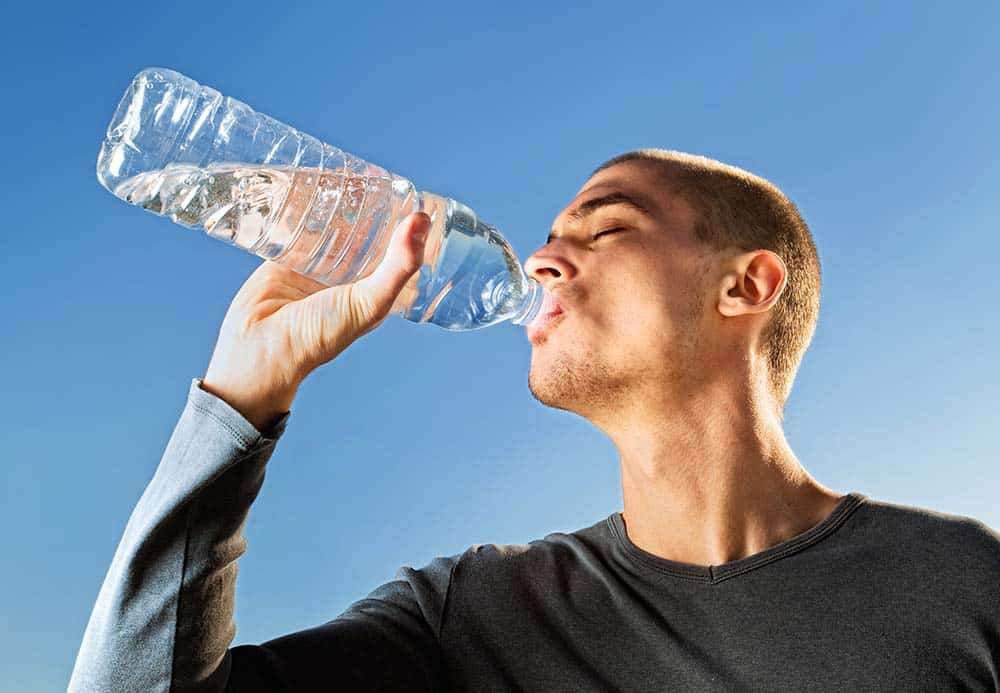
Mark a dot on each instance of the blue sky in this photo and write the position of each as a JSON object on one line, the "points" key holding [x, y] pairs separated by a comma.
{"points": [[879, 120]]}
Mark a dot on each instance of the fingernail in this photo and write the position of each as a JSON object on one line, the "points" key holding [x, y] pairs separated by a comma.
{"points": [[421, 235]]}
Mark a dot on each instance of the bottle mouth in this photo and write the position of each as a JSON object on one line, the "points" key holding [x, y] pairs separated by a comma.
{"points": [[534, 298]]}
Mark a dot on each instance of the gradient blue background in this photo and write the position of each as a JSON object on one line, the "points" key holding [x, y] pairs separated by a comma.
{"points": [[880, 121]]}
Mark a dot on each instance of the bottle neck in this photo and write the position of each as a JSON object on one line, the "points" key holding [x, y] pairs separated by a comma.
{"points": [[446, 212], [532, 304]]}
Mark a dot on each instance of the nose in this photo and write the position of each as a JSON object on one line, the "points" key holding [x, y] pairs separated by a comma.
{"points": [[547, 267]]}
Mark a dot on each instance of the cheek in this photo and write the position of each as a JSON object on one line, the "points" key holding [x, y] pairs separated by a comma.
{"points": [[637, 314], [647, 313]]}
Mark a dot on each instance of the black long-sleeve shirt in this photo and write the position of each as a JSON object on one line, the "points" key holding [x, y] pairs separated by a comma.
{"points": [[876, 597]]}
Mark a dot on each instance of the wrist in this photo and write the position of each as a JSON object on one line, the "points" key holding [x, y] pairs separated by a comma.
{"points": [[262, 413]]}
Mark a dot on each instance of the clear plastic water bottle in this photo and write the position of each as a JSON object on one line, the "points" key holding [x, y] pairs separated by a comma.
{"points": [[183, 150]]}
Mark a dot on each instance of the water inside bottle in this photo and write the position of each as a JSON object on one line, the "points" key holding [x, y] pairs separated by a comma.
{"points": [[334, 226], [320, 222]]}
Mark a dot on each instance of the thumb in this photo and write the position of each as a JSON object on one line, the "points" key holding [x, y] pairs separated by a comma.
{"points": [[375, 294]]}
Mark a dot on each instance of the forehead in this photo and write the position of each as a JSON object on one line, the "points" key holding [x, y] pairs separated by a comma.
{"points": [[639, 175], [641, 181]]}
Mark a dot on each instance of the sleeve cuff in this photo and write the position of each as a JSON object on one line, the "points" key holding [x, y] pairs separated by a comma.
{"points": [[242, 430]]}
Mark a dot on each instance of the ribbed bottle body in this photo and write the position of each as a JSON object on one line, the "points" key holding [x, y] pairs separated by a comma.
{"points": [[183, 150]]}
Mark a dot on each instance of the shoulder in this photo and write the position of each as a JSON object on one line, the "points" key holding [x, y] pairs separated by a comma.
{"points": [[916, 518], [944, 538], [554, 553]]}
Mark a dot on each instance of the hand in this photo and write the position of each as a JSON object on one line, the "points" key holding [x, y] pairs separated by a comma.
{"points": [[282, 325]]}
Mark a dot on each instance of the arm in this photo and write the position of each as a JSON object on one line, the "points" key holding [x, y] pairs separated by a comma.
{"points": [[163, 617], [163, 620], [388, 641]]}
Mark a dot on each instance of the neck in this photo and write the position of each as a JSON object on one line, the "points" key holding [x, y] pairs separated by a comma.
{"points": [[713, 480]]}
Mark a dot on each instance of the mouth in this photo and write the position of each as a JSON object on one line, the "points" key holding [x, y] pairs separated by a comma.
{"points": [[543, 324], [549, 314]]}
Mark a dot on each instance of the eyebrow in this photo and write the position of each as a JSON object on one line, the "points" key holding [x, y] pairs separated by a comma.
{"points": [[587, 208]]}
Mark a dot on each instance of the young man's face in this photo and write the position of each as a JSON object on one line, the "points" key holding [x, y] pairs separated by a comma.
{"points": [[634, 300]]}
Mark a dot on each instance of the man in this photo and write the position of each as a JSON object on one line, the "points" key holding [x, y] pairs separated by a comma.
{"points": [[687, 292]]}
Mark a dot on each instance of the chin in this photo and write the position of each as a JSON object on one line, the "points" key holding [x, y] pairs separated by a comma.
{"points": [[553, 384]]}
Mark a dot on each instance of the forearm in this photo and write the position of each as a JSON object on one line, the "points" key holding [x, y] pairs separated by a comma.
{"points": [[163, 619]]}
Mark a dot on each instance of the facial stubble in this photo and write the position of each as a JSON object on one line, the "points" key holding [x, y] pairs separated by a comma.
{"points": [[573, 376]]}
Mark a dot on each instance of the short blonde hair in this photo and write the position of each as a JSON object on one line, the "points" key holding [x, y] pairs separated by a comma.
{"points": [[738, 208]]}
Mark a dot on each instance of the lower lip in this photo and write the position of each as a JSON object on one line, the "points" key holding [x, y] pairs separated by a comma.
{"points": [[537, 328]]}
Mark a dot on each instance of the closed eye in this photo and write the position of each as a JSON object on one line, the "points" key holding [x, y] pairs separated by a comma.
{"points": [[606, 231], [551, 238]]}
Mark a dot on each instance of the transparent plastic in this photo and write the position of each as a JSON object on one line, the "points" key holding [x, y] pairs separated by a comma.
{"points": [[183, 150]]}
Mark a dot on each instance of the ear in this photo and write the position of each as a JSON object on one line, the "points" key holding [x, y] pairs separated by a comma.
{"points": [[752, 284]]}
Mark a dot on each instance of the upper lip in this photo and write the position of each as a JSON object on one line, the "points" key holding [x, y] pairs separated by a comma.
{"points": [[551, 305]]}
